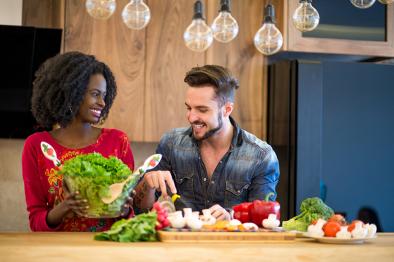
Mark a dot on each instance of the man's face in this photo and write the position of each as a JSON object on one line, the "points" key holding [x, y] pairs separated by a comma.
{"points": [[203, 112]]}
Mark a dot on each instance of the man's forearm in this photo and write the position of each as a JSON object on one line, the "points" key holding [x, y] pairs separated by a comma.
{"points": [[144, 196]]}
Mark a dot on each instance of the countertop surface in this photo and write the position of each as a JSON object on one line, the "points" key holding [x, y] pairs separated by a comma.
{"points": [[82, 247]]}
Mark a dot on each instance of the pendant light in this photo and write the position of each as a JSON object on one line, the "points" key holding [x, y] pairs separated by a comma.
{"points": [[224, 27], [363, 4], [198, 35], [268, 39], [100, 9], [136, 14], [305, 17]]}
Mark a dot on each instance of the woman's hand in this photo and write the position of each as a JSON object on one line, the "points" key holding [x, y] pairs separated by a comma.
{"points": [[72, 202]]}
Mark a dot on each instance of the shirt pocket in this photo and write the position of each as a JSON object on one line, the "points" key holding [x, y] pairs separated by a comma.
{"points": [[236, 192], [185, 184]]}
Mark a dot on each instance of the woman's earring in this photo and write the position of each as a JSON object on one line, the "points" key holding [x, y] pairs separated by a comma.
{"points": [[101, 121]]}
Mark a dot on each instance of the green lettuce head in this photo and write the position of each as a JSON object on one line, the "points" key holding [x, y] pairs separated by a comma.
{"points": [[91, 175]]}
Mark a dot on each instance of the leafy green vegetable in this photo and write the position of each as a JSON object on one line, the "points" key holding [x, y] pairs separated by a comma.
{"points": [[139, 228], [311, 209], [91, 175]]}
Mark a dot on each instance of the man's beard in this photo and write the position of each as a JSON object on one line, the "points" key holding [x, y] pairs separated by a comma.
{"points": [[212, 131]]}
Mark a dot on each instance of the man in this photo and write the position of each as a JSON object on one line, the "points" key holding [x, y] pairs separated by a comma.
{"points": [[214, 163]]}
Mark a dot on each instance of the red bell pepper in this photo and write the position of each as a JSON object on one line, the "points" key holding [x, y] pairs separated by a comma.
{"points": [[241, 212], [260, 209]]}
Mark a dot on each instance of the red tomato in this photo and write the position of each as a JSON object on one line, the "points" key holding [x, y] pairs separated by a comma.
{"points": [[338, 218], [331, 228], [353, 225]]}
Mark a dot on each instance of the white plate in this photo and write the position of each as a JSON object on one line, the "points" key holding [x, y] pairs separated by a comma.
{"points": [[334, 240]]}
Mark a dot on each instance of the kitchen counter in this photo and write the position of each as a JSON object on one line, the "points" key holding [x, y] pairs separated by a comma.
{"points": [[82, 247]]}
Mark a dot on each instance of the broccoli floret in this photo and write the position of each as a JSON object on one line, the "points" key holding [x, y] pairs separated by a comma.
{"points": [[311, 209], [315, 205]]}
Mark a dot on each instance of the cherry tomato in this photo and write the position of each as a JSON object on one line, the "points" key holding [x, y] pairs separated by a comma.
{"points": [[331, 228], [338, 218], [353, 225]]}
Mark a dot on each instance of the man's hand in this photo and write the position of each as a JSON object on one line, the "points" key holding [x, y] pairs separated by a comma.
{"points": [[219, 212], [159, 180]]}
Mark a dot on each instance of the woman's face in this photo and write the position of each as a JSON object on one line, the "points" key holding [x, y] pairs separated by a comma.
{"points": [[93, 102]]}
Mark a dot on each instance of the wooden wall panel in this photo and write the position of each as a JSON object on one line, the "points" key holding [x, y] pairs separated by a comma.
{"points": [[150, 64], [245, 62], [43, 13], [167, 61], [123, 50]]}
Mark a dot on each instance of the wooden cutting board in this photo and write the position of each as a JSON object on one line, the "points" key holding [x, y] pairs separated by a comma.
{"points": [[259, 236]]}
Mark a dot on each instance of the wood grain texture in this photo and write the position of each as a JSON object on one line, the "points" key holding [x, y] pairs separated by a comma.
{"points": [[150, 64], [230, 237], [123, 50], [295, 41], [245, 62], [43, 13], [167, 61], [40, 247]]}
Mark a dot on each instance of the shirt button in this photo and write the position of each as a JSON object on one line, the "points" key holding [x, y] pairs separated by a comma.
{"points": [[205, 179]]}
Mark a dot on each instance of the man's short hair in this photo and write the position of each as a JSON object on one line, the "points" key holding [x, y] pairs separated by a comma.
{"points": [[218, 77]]}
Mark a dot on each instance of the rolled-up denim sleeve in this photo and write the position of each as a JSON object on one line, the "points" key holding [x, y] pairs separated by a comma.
{"points": [[265, 177]]}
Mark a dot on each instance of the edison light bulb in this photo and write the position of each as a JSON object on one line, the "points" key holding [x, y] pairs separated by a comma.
{"points": [[100, 9], [386, 2], [198, 35], [305, 17], [224, 27], [268, 40], [136, 14], [363, 3]]}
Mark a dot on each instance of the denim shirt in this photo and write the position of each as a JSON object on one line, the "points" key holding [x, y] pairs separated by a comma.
{"points": [[248, 171]]}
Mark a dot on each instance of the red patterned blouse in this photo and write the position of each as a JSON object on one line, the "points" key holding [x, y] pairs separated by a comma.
{"points": [[43, 186]]}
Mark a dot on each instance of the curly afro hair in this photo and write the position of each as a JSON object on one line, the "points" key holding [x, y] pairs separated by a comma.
{"points": [[60, 86]]}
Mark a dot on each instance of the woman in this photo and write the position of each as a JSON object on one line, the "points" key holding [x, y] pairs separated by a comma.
{"points": [[73, 91]]}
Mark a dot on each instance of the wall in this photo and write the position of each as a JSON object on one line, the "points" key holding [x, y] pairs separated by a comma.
{"points": [[11, 12], [344, 136], [150, 64]]}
